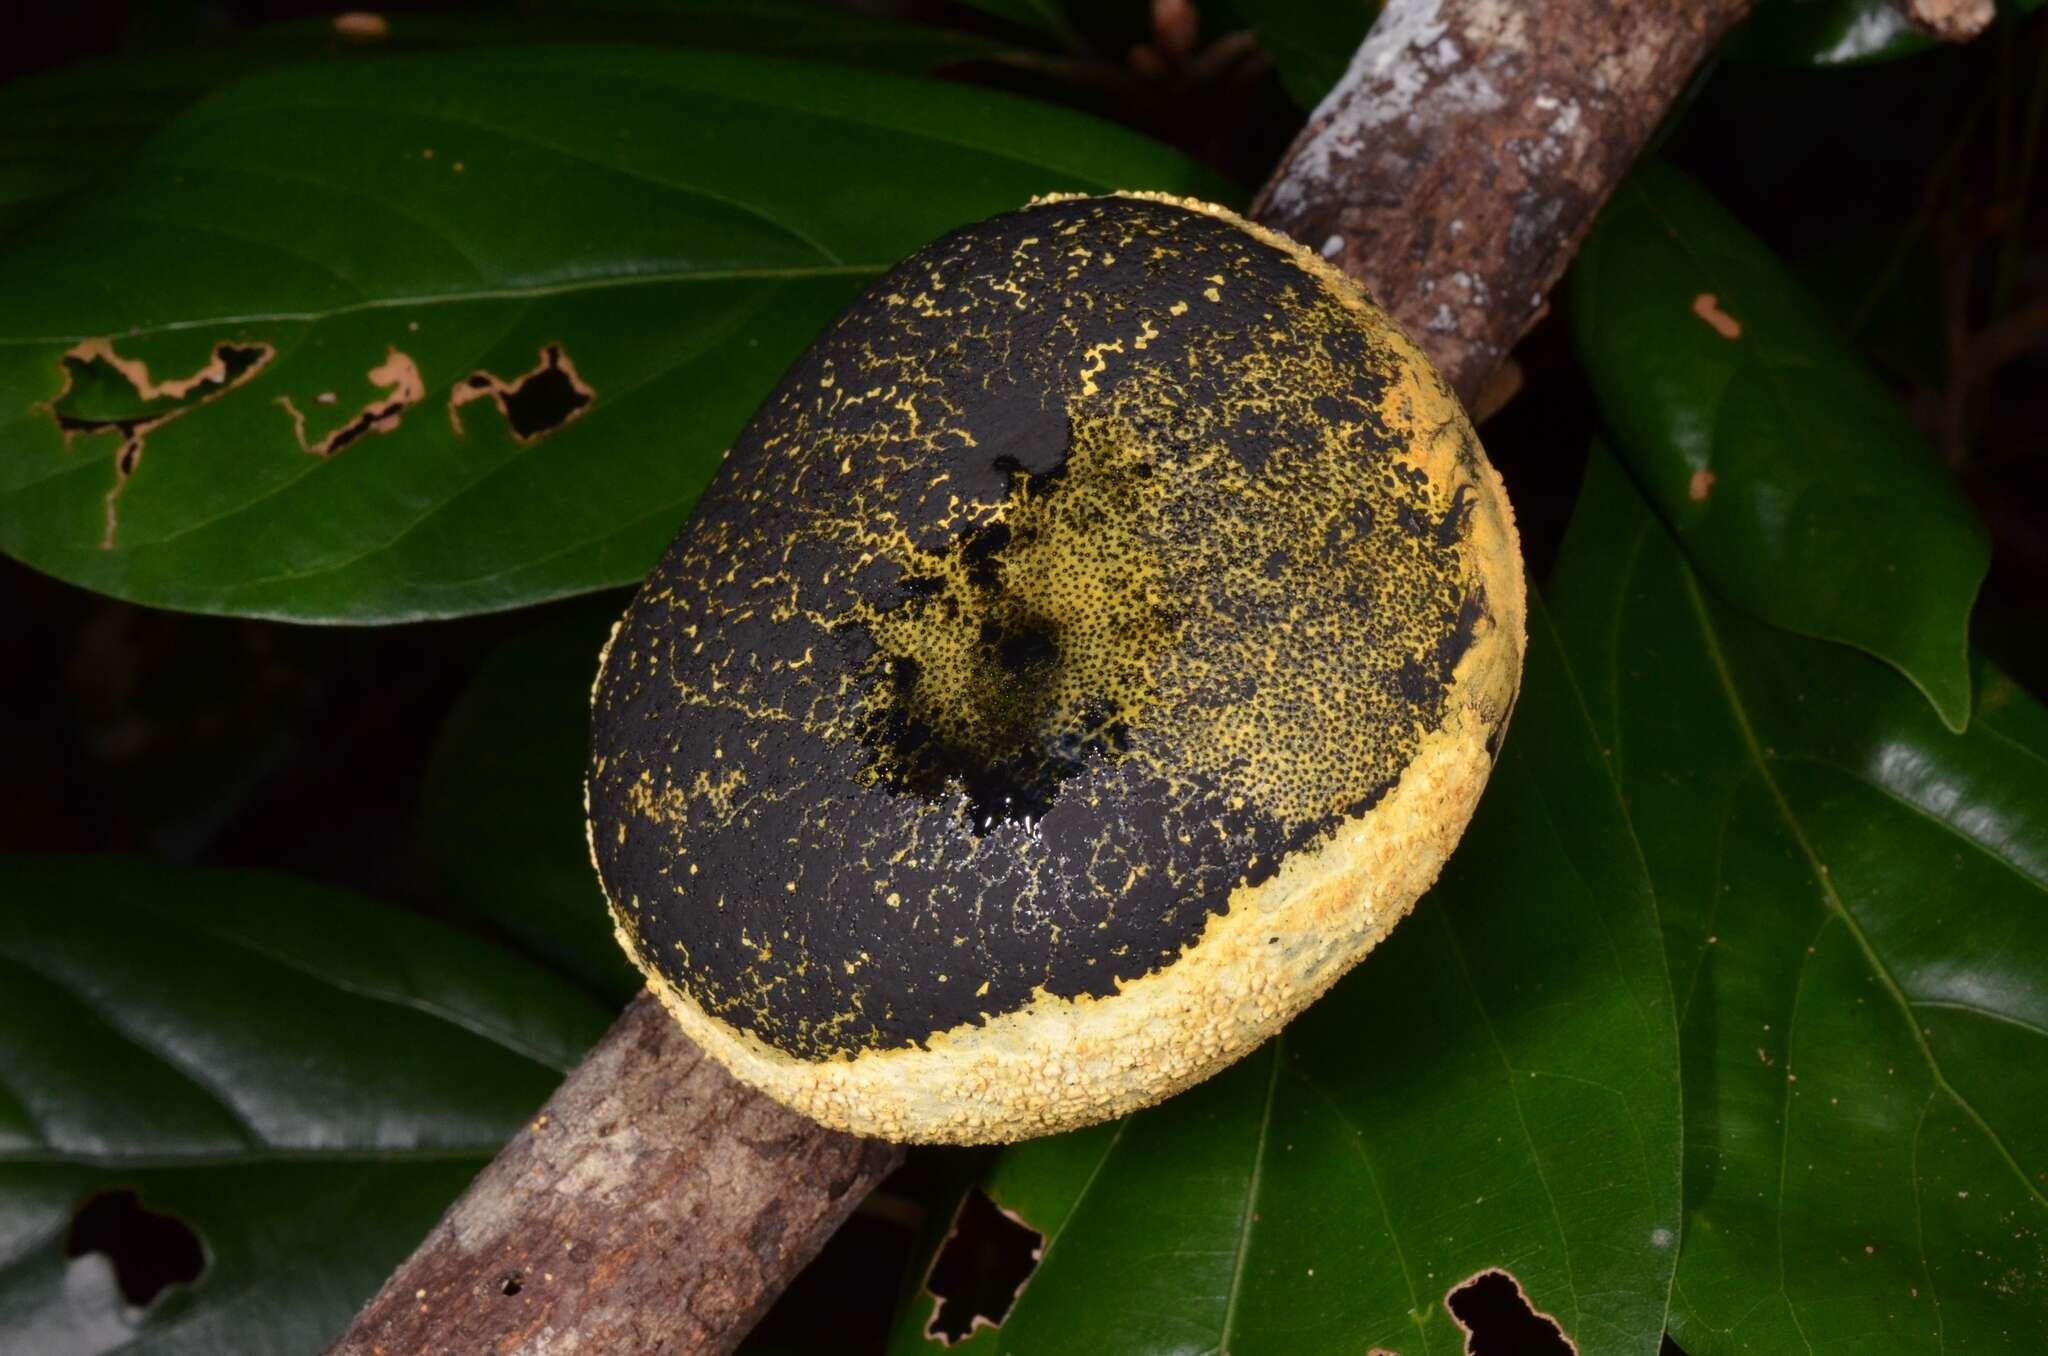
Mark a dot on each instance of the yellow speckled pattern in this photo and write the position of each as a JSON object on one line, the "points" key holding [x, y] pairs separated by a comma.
{"points": [[1094, 646]]}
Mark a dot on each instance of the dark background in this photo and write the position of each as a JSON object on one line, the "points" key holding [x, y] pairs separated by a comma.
{"points": [[241, 743]]}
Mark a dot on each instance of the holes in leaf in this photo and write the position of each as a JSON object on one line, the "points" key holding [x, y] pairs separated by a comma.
{"points": [[981, 1269], [509, 1284], [534, 404], [1499, 1320], [150, 1252], [398, 376], [105, 392]]}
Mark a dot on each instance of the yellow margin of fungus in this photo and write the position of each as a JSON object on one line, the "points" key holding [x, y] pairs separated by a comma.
{"points": [[1062, 1063]]}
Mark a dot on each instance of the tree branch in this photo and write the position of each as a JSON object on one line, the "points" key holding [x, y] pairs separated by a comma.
{"points": [[1949, 20], [655, 1204], [1459, 162]]}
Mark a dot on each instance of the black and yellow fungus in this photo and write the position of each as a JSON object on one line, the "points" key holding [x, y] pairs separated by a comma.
{"points": [[1079, 599]]}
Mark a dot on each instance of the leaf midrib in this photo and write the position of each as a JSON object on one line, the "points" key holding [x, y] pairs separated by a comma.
{"points": [[1372, 1178], [1830, 898], [1862, 777], [1250, 1215], [154, 1050], [594, 283], [476, 1025], [849, 111], [1508, 1080], [528, 140], [835, 267], [1920, 1228]]}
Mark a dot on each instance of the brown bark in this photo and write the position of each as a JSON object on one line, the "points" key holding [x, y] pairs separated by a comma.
{"points": [[1949, 20], [1459, 162], [655, 1205]]}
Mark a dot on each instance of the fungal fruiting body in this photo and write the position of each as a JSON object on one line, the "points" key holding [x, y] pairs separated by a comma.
{"points": [[1090, 651]]}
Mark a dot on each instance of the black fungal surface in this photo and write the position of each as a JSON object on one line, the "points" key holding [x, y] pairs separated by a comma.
{"points": [[1083, 570]]}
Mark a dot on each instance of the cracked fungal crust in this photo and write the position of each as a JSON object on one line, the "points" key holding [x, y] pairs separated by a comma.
{"points": [[1091, 649]]}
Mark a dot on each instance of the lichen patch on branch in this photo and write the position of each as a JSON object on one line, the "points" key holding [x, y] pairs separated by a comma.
{"points": [[1456, 165], [1397, 59]]}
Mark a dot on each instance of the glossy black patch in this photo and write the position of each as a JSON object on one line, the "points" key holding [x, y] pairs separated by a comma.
{"points": [[1055, 594]]}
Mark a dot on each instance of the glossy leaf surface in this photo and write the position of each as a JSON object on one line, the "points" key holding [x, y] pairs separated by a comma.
{"points": [[1495, 1087], [302, 1078], [501, 814], [1801, 489], [452, 332], [1854, 908], [60, 128]]}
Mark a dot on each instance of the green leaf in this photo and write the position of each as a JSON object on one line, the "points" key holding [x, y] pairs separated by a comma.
{"points": [[1798, 486], [501, 813], [1835, 32], [59, 129], [1311, 41], [339, 257], [1496, 1087], [303, 1078], [810, 30], [1854, 907], [1825, 33]]}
